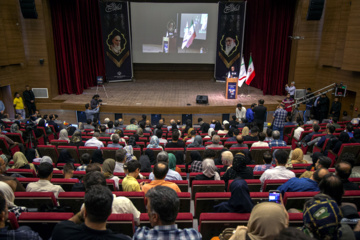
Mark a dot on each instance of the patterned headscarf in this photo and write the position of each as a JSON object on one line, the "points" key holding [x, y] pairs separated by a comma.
{"points": [[209, 169]]}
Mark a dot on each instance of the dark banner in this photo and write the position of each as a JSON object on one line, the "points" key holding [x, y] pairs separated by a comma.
{"points": [[116, 38], [231, 24]]}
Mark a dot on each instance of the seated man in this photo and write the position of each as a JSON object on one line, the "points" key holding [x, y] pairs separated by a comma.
{"points": [[89, 125], [120, 157], [277, 142], [85, 159], [45, 173], [216, 143], [132, 170], [304, 184], [133, 125], [261, 142], [191, 137], [68, 171], [90, 222], [299, 130], [162, 207], [160, 171], [94, 141], [267, 159], [115, 138], [103, 131], [236, 132], [315, 130], [22, 232], [350, 158], [92, 167], [253, 135], [343, 171], [330, 129], [175, 142], [280, 171], [159, 134], [171, 174], [322, 162]]}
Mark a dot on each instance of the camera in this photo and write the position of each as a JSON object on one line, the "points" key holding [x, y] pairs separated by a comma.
{"points": [[100, 101], [29, 126]]}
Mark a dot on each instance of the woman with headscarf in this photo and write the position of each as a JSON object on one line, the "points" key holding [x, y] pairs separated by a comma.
{"points": [[196, 161], [145, 163], [205, 127], [151, 155], [31, 156], [132, 141], [154, 143], [121, 134], [297, 156], [209, 171], [14, 128], [238, 169], [76, 139], [210, 135], [266, 221], [197, 143], [245, 131], [356, 137], [10, 198], [172, 163], [97, 157], [20, 162], [108, 170], [240, 201], [65, 157], [218, 126], [343, 138], [63, 135]]}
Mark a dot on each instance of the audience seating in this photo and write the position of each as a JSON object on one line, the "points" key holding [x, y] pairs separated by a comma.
{"points": [[137, 198], [322, 149], [108, 152], [352, 196], [121, 223], [273, 184], [301, 165], [235, 150], [43, 222], [73, 150], [229, 144], [286, 149], [24, 172], [16, 137], [249, 143], [185, 201], [50, 136], [48, 150], [57, 143], [74, 200], [13, 223], [137, 152], [289, 133], [59, 174], [189, 150], [35, 199], [253, 184], [27, 180], [66, 184], [89, 150], [306, 148], [353, 148], [111, 184], [183, 220], [207, 186], [6, 149], [155, 150], [257, 154], [302, 135], [174, 150], [297, 199], [182, 184]]}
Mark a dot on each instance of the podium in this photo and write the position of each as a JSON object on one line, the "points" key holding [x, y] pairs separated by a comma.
{"points": [[231, 88]]}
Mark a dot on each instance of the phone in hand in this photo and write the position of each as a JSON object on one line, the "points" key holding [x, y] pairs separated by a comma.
{"points": [[274, 196], [46, 124]]}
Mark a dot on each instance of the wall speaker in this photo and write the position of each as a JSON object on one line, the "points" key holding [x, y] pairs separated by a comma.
{"points": [[202, 99], [315, 9], [28, 8]]}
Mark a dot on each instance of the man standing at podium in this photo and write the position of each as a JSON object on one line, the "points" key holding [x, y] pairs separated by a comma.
{"points": [[232, 73]]}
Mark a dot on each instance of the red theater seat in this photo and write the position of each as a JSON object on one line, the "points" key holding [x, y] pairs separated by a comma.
{"points": [[66, 184], [183, 220], [207, 186], [35, 199], [73, 150], [273, 184], [89, 150], [48, 150], [137, 198], [108, 152], [28, 173], [121, 223], [257, 154], [74, 200]]}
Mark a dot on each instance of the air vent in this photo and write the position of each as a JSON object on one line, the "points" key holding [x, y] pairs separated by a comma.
{"points": [[41, 92]]}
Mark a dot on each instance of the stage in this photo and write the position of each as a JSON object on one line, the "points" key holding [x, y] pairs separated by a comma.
{"points": [[167, 97]]}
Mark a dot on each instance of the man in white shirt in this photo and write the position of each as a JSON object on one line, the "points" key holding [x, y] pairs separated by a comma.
{"points": [[216, 143], [94, 141], [240, 111], [171, 174], [45, 173], [279, 172], [298, 130], [261, 142], [291, 90], [120, 157]]}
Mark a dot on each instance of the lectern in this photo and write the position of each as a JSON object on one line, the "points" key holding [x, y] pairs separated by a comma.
{"points": [[231, 88]]}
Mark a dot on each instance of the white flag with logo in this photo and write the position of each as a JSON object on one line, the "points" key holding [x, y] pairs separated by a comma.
{"points": [[242, 75]]}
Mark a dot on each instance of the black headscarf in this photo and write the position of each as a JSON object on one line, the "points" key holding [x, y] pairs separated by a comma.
{"points": [[344, 137], [218, 126], [150, 154], [97, 157], [145, 163], [195, 156], [30, 154], [240, 201], [65, 157], [205, 127], [356, 137], [41, 123], [179, 157]]}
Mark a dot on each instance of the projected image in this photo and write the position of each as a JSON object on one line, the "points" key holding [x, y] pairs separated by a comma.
{"points": [[199, 22]]}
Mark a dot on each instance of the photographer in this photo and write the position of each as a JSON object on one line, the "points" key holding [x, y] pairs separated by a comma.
{"points": [[94, 103], [91, 113]]}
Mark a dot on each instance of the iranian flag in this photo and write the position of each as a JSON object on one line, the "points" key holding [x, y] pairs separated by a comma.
{"points": [[242, 75], [189, 36], [251, 72]]}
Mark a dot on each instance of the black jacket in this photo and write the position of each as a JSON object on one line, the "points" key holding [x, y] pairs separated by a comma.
{"points": [[259, 113], [28, 96]]}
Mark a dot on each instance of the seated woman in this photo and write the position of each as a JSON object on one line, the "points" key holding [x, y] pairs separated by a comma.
{"points": [[197, 142], [172, 163], [238, 169], [343, 138], [209, 171], [297, 156], [76, 140], [266, 221], [65, 157], [108, 168], [240, 201], [20, 162], [97, 157], [63, 135], [196, 162], [14, 128], [210, 133], [8, 192], [154, 143]]}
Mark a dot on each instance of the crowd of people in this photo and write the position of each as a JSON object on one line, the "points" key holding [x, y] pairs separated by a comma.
{"points": [[322, 214]]}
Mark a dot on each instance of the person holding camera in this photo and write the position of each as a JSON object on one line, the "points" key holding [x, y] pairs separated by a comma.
{"points": [[95, 103], [91, 113]]}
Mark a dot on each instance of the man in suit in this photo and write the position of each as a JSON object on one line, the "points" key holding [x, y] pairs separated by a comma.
{"points": [[336, 108], [260, 114]]}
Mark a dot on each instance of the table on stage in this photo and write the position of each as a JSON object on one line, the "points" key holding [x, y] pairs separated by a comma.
{"points": [[231, 88]]}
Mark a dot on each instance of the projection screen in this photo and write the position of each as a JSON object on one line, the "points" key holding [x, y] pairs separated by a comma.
{"points": [[174, 32]]}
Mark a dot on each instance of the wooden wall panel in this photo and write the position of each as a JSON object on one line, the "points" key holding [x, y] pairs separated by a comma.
{"points": [[351, 60]]}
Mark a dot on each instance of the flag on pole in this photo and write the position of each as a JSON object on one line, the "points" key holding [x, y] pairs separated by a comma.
{"points": [[251, 72], [189, 36], [242, 75]]}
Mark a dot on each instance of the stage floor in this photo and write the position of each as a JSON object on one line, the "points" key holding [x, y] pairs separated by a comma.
{"points": [[168, 96]]}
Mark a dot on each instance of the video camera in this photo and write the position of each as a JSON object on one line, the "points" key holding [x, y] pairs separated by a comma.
{"points": [[29, 126]]}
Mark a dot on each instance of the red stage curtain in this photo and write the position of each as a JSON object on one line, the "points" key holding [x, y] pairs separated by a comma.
{"points": [[268, 25], [78, 44]]}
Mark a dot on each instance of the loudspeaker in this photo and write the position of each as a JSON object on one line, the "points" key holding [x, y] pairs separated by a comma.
{"points": [[202, 99], [315, 9], [28, 8]]}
